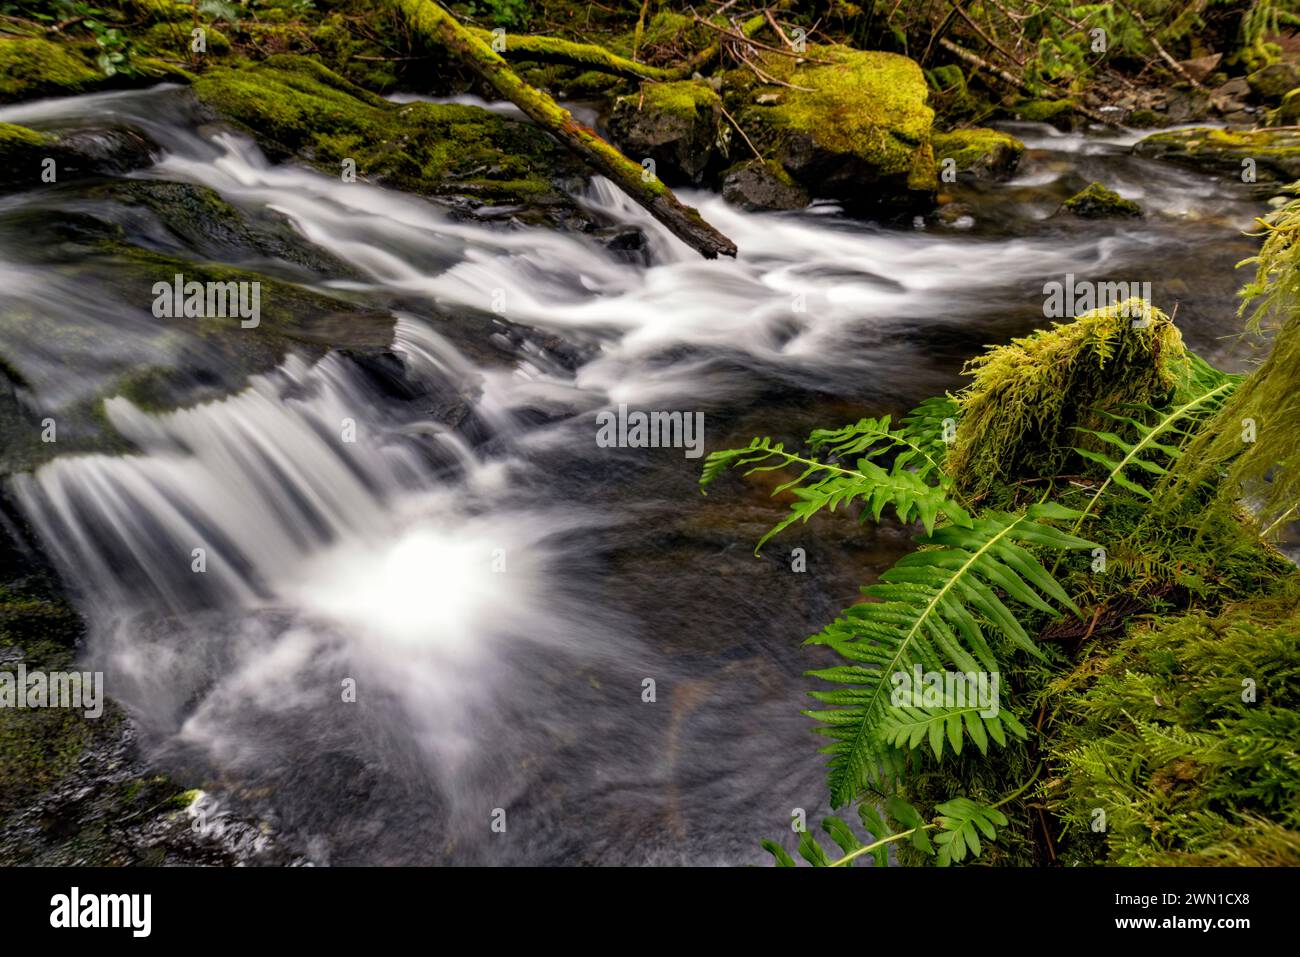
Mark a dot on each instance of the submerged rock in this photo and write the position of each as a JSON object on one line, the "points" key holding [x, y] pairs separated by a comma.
{"points": [[1270, 155], [853, 125], [986, 153], [678, 125], [1059, 113], [1096, 201]]}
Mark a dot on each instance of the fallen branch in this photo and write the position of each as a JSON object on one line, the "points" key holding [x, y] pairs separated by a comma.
{"points": [[435, 24], [585, 55], [1159, 48]]}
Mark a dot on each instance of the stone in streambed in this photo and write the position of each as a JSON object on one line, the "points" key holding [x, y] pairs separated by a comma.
{"points": [[1099, 202], [989, 154], [851, 125], [758, 185], [76, 154], [678, 125]]}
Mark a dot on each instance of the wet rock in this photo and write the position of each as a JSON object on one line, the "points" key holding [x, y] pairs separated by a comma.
{"points": [[1288, 112], [1098, 202], [757, 185], [1272, 156], [32, 67], [26, 155], [627, 243], [678, 125], [853, 126], [988, 154]]}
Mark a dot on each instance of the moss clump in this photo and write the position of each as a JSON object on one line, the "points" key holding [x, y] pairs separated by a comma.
{"points": [[1273, 155], [31, 68], [1017, 418], [1056, 112], [981, 150], [297, 107], [1096, 201], [1184, 735], [860, 119]]}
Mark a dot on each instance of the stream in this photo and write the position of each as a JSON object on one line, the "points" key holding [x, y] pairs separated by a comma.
{"points": [[495, 585]]}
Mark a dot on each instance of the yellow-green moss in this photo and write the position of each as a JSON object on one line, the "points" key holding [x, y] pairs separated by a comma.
{"points": [[1274, 153], [1043, 111], [684, 98], [1018, 416], [31, 68], [978, 147]]}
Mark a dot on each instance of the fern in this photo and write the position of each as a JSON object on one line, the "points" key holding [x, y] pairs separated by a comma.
{"points": [[960, 823], [914, 484], [1159, 445], [909, 727], [927, 615]]}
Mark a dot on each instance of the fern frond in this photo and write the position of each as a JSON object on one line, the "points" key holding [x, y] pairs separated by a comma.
{"points": [[1157, 446], [929, 610], [908, 727], [823, 485], [960, 822]]}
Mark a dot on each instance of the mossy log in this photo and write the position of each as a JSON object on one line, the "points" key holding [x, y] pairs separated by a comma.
{"points": [[436, 25], [588, 56]]}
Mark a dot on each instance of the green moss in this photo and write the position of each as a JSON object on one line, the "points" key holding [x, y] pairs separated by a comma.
{"points": [[863, 112], [1096, 201], [1273, 154], [1184, 735], [1018, 416], [1275, 80], [295, 106], [868, 103], [979, 148], [1044, 111], [684, 99], [31, 68]]}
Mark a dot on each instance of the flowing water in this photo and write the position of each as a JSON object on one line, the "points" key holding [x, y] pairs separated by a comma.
{"points": [[495, 585]]}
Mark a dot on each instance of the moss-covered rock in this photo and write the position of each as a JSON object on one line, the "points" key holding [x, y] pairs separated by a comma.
{"points": [[1018, 416], [1274, 81], [1288, 111], [1273, 156], [1059, 113], [678, 125], [297, 107], [33, 67], [856, 126], [1096, 201], [762, 185], [984, 152], [29, 159]]}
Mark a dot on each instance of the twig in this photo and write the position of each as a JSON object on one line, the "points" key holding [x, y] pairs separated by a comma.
{"points": [[732, 120]]}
